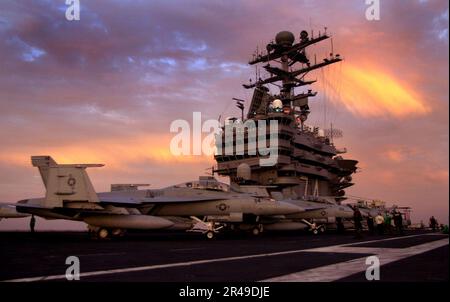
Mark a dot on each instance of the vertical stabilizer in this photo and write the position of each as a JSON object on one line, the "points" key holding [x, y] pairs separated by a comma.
{"points": [[43, 163], [65, 183]]}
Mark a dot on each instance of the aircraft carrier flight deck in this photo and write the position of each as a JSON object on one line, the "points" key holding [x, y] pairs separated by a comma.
{"points": [[185, 257]]}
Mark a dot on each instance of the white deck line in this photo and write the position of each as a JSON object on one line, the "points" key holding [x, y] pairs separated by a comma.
{"points": [[341, 270]]}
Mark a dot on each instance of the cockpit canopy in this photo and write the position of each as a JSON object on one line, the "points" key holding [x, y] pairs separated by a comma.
{"points": [[205, 183]]}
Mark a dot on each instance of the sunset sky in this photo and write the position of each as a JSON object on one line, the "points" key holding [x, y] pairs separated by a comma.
{"points": [[106, 88]]}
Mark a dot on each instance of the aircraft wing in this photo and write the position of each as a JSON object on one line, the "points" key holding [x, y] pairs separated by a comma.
{"points": [[164, 199], [21, 209], [127, 201]]}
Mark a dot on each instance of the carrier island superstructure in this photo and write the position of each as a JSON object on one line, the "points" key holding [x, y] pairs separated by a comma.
{"points": [[308, 165]]}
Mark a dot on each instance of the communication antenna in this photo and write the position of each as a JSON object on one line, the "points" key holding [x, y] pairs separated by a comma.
{"points": [[241, 106], [333, 133], [332, 47], [213, 171]]}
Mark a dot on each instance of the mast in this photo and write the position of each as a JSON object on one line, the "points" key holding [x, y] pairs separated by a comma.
{"points": [[287, 53]]}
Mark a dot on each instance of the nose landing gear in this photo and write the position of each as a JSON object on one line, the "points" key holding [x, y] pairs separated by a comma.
{"points": [[209, 228], [314, 228]]}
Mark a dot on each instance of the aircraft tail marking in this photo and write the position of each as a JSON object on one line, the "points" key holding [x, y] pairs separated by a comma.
{"points": [[65, 183]]}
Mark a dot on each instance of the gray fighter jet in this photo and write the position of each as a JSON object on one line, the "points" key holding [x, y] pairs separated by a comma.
{"points": [[204, 206], [315, 214]]}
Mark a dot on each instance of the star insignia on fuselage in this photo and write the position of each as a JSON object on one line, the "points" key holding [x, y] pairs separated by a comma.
{"points": [[222, 207]]}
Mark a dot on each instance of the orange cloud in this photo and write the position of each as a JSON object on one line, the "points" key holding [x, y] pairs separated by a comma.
{"points": [[371, 92], [400, 153], [437, 176], [115, 153], [395, 155]]}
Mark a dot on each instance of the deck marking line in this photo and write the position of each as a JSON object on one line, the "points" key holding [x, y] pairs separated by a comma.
{"points": [[341, 270]]}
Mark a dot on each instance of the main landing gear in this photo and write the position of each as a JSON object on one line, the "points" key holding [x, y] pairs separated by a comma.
{"points": [[257, 230]]}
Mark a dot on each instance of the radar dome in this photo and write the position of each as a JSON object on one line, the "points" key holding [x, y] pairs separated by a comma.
{"points": [[244, 172], [277, 104], [285, 38], [304, 35]]}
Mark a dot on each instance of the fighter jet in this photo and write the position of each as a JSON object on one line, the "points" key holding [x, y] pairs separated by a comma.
{"points": [[315, 214], [201, 206], [320, 213]]}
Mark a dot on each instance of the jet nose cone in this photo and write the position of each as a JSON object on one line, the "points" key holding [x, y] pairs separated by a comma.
{"points": [[10, 211], [288, 208], [347, 212], [23, 201]]}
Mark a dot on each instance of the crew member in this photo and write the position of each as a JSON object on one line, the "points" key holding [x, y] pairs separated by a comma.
{"points": [[370, 225], [339, 225], [32, 223], [387, 223], [357, 217], [433, 223], [398, 221], [379, 220]]}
